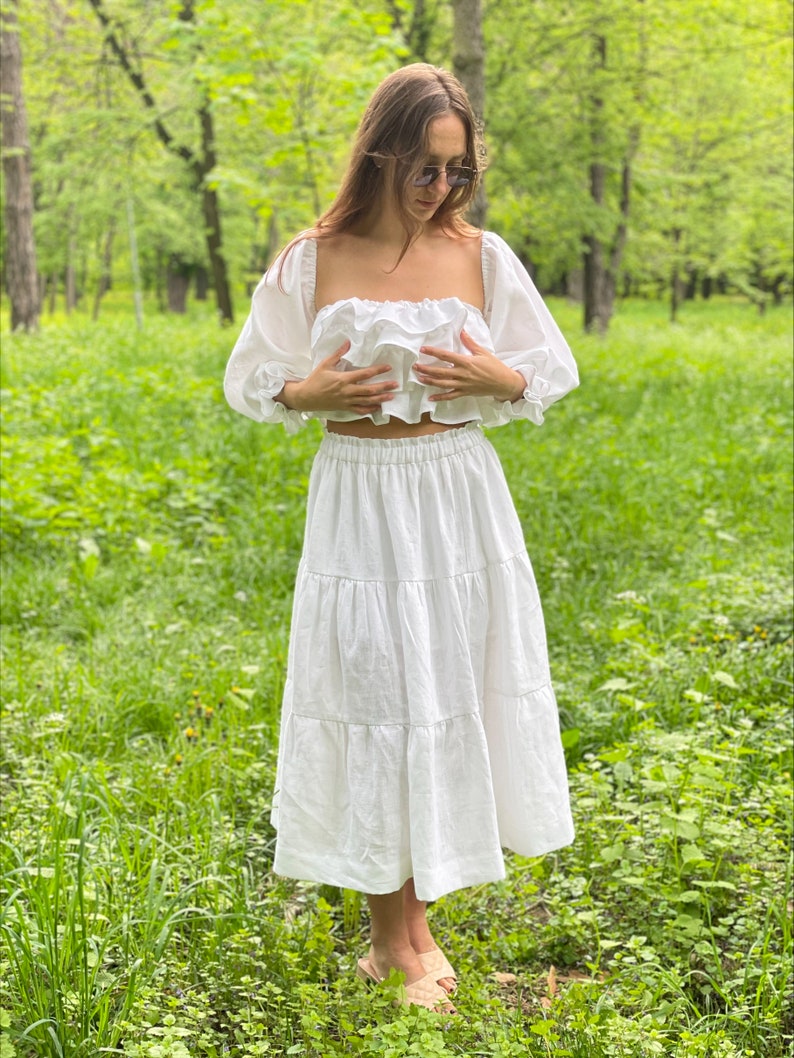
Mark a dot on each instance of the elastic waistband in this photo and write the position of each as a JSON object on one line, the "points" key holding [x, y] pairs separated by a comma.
{"points": [[422, 448]]}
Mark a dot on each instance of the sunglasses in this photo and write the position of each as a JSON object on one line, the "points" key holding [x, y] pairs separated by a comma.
{"points": [[457, 175]]}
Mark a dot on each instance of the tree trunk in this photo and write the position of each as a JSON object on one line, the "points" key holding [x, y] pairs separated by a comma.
{"points": [[676, 287], [468, 64], [202, 283], [602, 264], [105, 277], [200, 166], [20, 263], [417, 34], [70, 282], [178, 276], [212, 216], [596, 316], [137, 292]]}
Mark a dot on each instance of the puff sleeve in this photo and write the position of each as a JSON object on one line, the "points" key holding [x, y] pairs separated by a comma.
{"points": [[274, 346], [524, 333]]}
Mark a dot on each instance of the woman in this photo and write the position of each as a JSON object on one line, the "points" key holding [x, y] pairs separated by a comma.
{"points": [[419, 730]]}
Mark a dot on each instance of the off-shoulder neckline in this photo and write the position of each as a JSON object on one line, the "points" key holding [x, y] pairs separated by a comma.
{"points": [[309, 270], [395, 301]]}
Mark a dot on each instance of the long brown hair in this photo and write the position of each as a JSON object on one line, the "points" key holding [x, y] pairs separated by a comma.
{"points": [[391, 145]]}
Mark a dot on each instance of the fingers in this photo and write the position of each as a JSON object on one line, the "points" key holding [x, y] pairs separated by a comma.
{"points": [[434, 376], [361, 374], [456, 358], [443, 354], [470, 343], [336, 356], [369, 395]]}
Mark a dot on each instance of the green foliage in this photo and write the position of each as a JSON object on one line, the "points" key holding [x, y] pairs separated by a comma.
{"points": [[695, 97], [286, 82], [150, 540]]}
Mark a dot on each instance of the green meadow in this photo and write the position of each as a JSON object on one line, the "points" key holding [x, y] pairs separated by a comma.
{"points": [[150, 539]]}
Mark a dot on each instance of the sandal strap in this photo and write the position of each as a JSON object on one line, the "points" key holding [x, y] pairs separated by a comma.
{"points": [[436, 962], [427, 992]]}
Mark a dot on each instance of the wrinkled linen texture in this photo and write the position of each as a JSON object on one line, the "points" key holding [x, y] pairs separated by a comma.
{"points": [[285, 337], [419, 728]]}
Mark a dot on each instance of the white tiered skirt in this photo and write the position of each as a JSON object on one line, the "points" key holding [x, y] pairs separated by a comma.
{"points": [[419, 730]]}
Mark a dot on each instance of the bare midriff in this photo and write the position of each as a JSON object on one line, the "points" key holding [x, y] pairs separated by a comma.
{"points": [[394, 428]]}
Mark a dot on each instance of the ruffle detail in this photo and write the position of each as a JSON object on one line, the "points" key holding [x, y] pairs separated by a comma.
{"points": [[392, 332], [268, 382]]}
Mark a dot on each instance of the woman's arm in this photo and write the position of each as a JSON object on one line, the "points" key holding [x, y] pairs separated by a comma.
{"points": [[327, 389]]}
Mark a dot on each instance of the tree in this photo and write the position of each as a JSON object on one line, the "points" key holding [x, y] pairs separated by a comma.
{"points": [[716, 167], [611, 125], [564, 122], [200, 163], [468, 64], [415, 30], [20, 266], [603, 248]]}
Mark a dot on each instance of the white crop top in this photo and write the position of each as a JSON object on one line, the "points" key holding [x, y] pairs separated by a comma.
{"points": [[284, 338]]}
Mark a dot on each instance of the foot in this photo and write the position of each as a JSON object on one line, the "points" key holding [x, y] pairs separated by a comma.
{"points": [[435, 962], [423, 943], [384, 959], [424, 992]]}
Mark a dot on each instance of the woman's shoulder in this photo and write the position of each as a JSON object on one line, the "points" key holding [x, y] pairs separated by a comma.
{"points": [[294, 267], [495, 245], [499, 259]]}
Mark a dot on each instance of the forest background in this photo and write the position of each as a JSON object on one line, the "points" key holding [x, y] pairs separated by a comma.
{"points": [[649, 138], [640, 164]]}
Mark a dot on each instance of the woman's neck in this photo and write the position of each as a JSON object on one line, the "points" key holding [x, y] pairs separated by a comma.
{"points": [[384, 225]]}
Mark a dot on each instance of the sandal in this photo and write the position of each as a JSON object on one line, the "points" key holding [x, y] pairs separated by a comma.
{"points": [[426, 992], [436, 963]]}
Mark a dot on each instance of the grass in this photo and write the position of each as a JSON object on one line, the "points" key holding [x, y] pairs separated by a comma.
{"points": [[150, 538]]}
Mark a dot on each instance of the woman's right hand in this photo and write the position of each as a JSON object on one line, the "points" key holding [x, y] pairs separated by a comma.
{"points": [[327, 389]]}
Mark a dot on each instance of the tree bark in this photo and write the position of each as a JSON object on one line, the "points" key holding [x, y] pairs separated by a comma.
{"points": [[202, 283], [178, 276], [602, 264], [22, 277], [675, 277], [596, 316], [105, 278], [70, 282], [417, 33], [212, 215], [468, 65], [200, 166]]}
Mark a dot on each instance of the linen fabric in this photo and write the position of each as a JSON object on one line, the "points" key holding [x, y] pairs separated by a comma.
{"points": [[419, 730], [285, 337]]}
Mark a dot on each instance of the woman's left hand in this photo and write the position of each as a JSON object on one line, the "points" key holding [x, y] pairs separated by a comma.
{"points": [[480, 375]]}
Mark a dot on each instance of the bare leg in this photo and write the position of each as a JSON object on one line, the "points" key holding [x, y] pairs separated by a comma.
{"points": [[391, 941], [418, 930]]}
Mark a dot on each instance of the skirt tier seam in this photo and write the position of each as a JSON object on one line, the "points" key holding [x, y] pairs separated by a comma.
{"points": [[477, 713], [416, 580]]}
